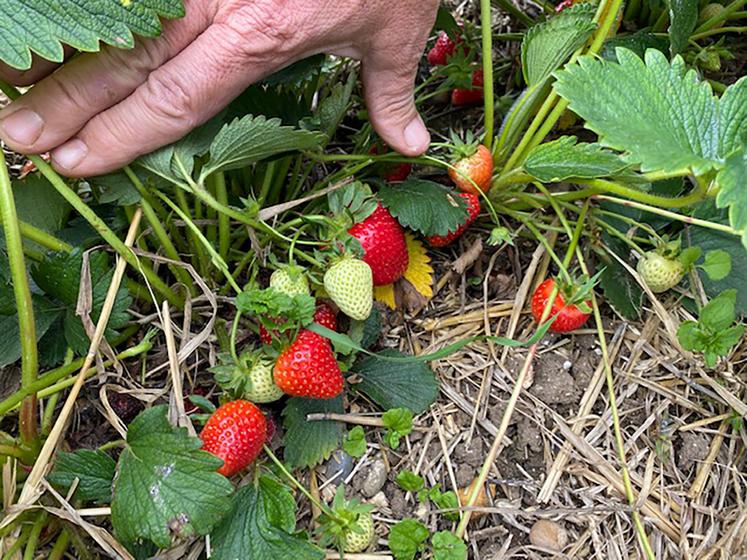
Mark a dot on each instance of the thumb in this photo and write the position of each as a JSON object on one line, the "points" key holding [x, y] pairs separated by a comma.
{"points": [[389, 92]]}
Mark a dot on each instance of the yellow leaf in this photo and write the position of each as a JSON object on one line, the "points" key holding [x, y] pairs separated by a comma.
{"points": [[385, 294], [419, 272]]}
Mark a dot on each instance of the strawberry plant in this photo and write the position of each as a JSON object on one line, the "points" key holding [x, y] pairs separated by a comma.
{"points": [[232, 347]]}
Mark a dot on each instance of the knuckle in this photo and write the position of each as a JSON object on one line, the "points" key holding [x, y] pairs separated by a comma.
{"points": [[169, 99], [262, 27], [69, 95]]}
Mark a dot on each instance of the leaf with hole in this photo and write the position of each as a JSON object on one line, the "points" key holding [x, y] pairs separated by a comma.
{"points": [[166, 486]]}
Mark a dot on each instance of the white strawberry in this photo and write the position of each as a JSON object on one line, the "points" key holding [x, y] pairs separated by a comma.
{"points": [[349, 283], [259, 386], [290, 281], [359, 541]]}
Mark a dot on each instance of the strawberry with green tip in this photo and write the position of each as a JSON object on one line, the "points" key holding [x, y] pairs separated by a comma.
{"points": [[472, 165], [570, 309], [235, 432], [349, 283], [384, 246], [659, 272], [308, 368], [291, 281], [473, 210]]}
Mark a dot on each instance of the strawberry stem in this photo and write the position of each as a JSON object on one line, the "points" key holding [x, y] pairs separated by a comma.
{"points": [[487, 69], [323, 507]]}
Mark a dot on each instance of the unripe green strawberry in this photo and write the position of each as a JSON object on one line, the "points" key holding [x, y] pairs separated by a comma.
{"points": [[260, 386], [359, 541], [660, 273], [349, 283], [709, 11], [290, 281]]}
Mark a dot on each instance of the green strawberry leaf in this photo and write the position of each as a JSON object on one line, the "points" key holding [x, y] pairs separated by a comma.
{"points": [[410, 482], [732, 181], [657, 113], [563, 158], [445, 501], [355, 442], [683, 15], [720, 312], [549, 44], [166, 486], [398, 422], [46, 313], [333, 108], [94, 471], [262, 525], [424, 206], [59, 275], [710, 241], [407, 538], [717, 264], [39, 204], [447, 546], [250, 139], [393, 385], [42, 26], [309, 443]]}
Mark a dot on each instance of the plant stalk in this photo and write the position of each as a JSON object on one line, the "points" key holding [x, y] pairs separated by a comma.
{"points": [[24, 305]]}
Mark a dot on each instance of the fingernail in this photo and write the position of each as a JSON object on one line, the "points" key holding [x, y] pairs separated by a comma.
{"points": [[23, 126], [416, 135], [69, 156]]}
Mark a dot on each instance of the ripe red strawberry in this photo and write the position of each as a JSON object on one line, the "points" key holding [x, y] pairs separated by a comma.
{"points": [[308, 368], [473, 207], [235, 433], [443, 50], [384, 246], [326, 316], [264, 335], [473, 161], [570, 315], [462, 96]]}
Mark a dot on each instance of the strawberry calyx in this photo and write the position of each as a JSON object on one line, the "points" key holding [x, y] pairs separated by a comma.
{"points": [[461, 149], [342, 519]]}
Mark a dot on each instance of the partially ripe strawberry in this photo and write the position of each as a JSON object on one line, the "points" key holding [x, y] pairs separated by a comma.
{"points": [[326, 316], [461, 97], [443, 50], [659, 272], [290, 281], [570, 316], [473, 209], [308, 368], [384, 246], [235, 433], [475, 163], [349, 283]]}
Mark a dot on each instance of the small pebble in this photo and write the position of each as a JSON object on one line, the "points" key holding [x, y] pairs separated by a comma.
{"points": [[375, 479], [380, 501], [567, 365], [548, 535], [339, 466]]}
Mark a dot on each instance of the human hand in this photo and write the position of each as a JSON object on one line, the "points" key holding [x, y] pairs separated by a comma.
{"points": [[102, 110]]}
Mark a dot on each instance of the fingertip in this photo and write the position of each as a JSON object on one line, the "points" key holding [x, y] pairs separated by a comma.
{"points": [[416, 136], [69, 159]]}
